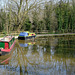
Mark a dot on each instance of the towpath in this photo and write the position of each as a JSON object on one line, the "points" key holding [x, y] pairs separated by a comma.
{"points": [[55, 34]]}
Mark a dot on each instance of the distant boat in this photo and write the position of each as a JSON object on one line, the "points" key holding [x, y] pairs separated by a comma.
{"points": [[26, 35], [6, 44]]}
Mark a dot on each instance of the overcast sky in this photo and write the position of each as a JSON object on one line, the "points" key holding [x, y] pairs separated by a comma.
{"points": [[3, 2]]}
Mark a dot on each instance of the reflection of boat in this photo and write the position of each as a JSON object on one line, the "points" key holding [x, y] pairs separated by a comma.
{"points": [[6, 44], [26, 35], [25, 44], [4, 59]]}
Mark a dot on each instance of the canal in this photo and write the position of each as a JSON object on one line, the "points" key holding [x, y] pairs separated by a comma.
{"points": [[50, 55]]}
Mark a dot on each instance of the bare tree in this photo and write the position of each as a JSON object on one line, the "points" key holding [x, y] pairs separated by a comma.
{"points": [[20, 10]]}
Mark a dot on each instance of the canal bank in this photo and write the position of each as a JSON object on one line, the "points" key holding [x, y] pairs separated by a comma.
{"points": [[55, 34], [40, 35]]}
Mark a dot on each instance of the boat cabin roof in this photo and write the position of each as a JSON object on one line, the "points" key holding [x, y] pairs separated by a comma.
{"points": [[23, 34], [6, 39]]}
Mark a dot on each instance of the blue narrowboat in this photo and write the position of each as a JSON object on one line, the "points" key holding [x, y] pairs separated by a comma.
{"points": [[26, 35]]}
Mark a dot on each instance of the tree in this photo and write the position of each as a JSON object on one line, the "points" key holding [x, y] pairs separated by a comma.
{"points": [[35, 20], [20, 10], [73, 15], [27, 25], [47, 15], [2, 19]]}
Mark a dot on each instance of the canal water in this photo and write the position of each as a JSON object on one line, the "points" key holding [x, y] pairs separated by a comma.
{"points": [[42, 56]]}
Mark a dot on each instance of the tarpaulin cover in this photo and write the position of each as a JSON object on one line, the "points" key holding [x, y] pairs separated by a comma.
{"points": [[23, 34]]}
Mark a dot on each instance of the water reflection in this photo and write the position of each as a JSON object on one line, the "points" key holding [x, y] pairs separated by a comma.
{"points": [[44, 56], [5, 57], [23, 43]]}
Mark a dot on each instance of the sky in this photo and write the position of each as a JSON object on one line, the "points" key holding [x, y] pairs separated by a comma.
{"points": [[3, 2]]}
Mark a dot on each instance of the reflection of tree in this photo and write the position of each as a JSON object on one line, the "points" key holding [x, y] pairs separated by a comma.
{"points": [[19, 57], [49, 44], [66, 47], [37, 59]]}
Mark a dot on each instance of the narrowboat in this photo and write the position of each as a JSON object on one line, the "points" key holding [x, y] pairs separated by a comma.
{"points": [[6, 44], [26, 35]]}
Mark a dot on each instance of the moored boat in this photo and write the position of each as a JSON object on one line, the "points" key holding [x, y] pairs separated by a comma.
{"points": [[6, 44], [26, 35]]}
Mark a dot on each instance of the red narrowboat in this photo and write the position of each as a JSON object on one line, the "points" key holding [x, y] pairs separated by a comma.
{"points": [[6, 44]]}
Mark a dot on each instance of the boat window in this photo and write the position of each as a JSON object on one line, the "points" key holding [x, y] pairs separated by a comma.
{"points": [[28, 33]]}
